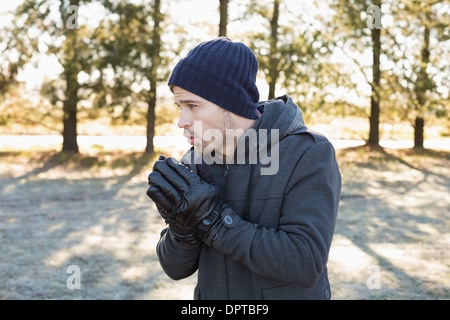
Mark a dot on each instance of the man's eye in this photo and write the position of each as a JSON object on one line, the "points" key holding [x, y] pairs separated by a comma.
{"points": [[191, 106]]}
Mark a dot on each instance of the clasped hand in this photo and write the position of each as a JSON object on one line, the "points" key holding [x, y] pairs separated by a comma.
{"points": [[182, 196]]}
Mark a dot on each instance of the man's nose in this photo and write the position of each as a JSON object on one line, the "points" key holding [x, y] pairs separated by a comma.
{"points": [[185, 120]]}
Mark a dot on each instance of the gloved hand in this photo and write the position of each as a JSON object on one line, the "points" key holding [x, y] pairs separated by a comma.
{"points": [[181, 195], [179, 232]]}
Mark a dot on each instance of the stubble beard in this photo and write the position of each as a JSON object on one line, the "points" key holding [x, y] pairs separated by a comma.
{"points": [[228, 142]]}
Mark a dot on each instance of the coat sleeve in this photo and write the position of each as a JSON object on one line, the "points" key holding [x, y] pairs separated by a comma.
{"points": [[179, 260], [297, 250]]}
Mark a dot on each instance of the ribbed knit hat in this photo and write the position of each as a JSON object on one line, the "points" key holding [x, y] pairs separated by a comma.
{"points": [[222, 72]]}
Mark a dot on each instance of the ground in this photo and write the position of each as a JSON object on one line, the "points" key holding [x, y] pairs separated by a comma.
{"points": [[90, 213]]}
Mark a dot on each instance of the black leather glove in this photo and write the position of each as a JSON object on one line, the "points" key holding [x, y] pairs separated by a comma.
{"points": [[178, 232], [181, 195]]}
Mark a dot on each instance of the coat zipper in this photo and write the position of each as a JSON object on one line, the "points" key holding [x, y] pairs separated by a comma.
{"points": [[225, 174]]}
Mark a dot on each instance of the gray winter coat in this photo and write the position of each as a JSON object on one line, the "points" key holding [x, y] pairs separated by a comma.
{"points": [[274, 240]]}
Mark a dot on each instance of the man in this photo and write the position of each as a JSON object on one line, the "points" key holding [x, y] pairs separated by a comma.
{"points": [[252, 206]]}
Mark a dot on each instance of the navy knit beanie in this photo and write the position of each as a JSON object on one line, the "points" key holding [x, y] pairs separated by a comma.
{"points": [[222, 72]]}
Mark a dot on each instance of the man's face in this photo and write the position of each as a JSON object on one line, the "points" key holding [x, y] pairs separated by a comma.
{"points": [[209, 119]]}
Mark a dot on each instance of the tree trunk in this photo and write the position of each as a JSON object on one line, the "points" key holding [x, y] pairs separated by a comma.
{"points": [[419, 125], [69, 133], [421, 88], [71, 70], [153, 77], [273, 60], [223, 10], [151, 117], [374, 120]]}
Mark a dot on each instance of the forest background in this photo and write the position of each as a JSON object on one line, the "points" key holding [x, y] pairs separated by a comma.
{"points": [[367, 74], [66, 64]]}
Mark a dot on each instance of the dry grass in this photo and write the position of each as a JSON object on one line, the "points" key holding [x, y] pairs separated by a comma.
{"points": [[92, 211]]}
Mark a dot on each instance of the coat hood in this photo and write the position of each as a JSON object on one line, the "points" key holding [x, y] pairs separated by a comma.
{"points": [[282, 114]]}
